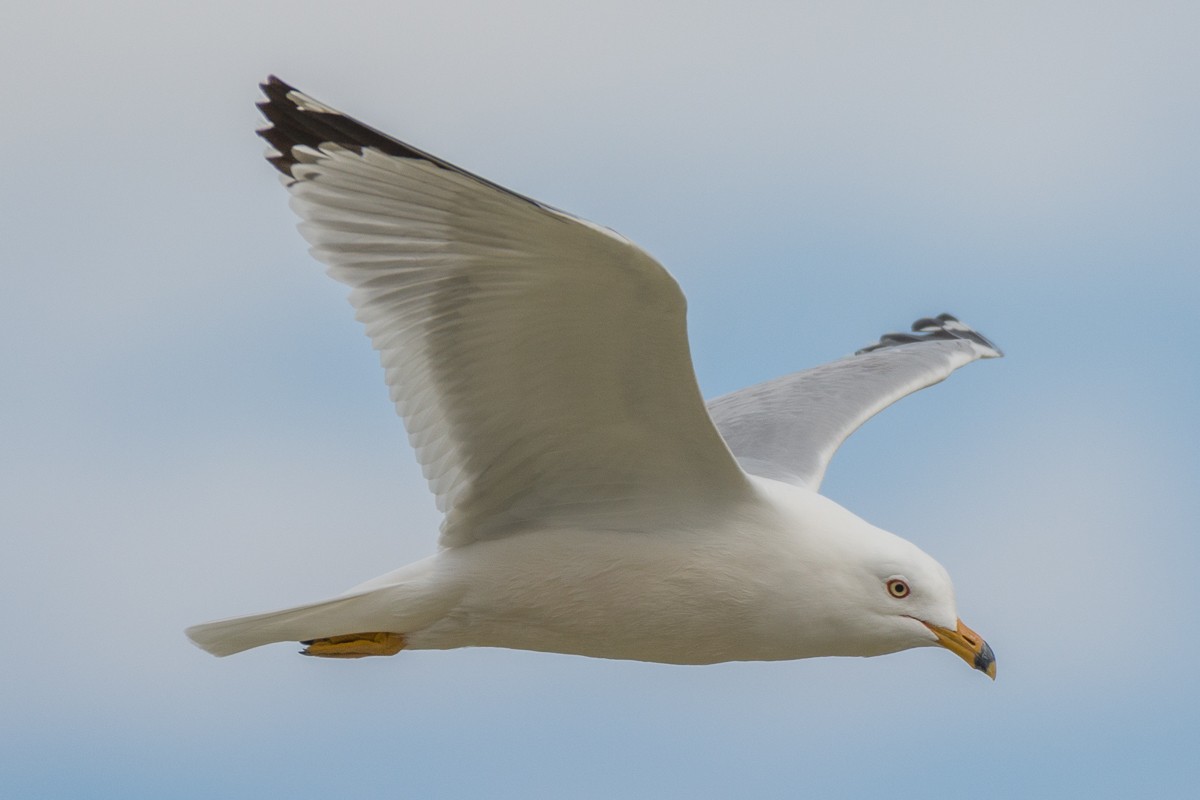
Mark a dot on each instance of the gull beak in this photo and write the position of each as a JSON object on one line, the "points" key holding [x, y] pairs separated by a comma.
{"points": [[967, 645]]}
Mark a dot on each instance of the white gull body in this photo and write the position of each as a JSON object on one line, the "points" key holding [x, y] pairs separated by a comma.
{"points": [[594, 504]]}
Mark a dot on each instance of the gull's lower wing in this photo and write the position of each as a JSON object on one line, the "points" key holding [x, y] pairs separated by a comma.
{"points": [[789, 428], [540, 363]]}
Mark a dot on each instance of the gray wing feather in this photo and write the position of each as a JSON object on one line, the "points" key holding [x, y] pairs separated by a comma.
{"points": [[789, 428]]}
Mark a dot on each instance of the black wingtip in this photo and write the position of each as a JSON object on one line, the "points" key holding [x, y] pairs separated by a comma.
{"points": [[298, 120], [945, 327]]}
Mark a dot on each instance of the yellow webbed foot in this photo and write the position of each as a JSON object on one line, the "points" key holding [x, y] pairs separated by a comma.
{"points": [[355, 645]]}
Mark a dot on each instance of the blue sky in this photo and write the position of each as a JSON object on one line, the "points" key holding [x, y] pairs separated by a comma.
{"points": [[195, 426]]}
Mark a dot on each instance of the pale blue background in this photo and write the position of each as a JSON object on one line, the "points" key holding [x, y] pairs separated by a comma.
{"points": [[194, 426]]}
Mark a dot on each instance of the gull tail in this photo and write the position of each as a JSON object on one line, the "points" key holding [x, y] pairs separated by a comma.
{"points": [[371, 619], [328, 618]]}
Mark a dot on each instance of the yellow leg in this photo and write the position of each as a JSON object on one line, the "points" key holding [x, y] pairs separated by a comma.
{"points": [[355, 645]]}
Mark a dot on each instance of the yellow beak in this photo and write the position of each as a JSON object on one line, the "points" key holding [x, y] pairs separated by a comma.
{"points": [[967, 645]]}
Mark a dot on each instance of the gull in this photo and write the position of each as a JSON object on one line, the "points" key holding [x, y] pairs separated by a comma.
{"points": [[593, 503]]}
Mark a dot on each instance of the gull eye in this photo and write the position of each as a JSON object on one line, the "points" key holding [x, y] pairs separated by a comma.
{"points": [[897, 588]]}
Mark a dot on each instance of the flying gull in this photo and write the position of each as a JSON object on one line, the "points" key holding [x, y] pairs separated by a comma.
{"points": [[594, 504]]}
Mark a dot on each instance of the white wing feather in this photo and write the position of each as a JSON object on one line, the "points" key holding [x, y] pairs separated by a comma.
{"points": [[540, 363], [789, 428]]}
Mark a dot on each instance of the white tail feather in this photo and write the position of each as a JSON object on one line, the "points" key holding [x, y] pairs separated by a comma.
{"points": [[335, 617], [403, 601]]}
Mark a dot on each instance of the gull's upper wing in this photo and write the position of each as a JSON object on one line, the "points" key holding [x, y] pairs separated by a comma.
{"points": [[789, 428], [540, 362]]}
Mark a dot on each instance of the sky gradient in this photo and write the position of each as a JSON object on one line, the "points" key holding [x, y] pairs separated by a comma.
{"points": [[196, 427]]}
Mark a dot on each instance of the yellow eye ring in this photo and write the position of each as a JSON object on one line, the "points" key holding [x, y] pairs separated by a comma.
{"points": [[898, 588]]}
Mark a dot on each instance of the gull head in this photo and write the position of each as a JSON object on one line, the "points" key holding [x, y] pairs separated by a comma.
{"points": [[881, 593], [908, 598]]}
